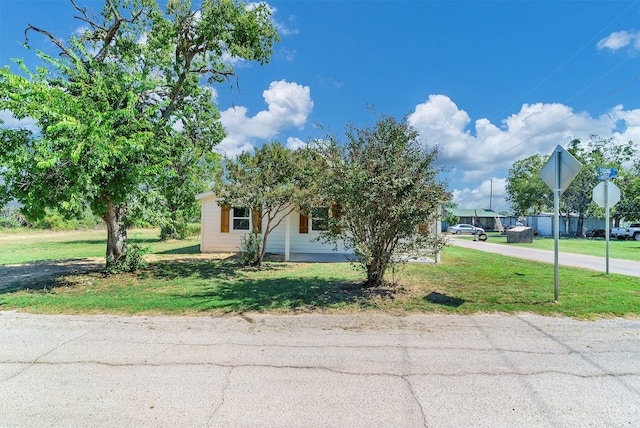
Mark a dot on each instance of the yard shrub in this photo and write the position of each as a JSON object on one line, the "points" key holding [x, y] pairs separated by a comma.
{"points": [[133, 261], [250, 249]]}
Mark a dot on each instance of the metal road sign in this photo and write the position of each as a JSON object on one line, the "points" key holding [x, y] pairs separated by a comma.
{"points": [[567, 165], [607, 173], [600, 194], [558, 173], [606, 194]]}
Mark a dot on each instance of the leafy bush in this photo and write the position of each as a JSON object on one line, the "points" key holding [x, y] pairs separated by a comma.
{"points": [[250, 249], [9, 223], [53, 220], [12, 218], [133, 261], [178, 230]]}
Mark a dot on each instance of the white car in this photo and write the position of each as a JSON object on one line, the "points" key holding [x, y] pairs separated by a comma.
{"points": [[465, 228]]}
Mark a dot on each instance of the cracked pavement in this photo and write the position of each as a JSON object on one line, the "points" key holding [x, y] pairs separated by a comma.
{"points": [[357, 370]]}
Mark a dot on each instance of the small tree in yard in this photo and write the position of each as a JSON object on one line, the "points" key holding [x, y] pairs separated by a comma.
{"points": [[270, 182], [385, 187]]}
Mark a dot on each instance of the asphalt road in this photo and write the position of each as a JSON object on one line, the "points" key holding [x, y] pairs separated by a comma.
{"points": [[624, 267], [318, 371]]}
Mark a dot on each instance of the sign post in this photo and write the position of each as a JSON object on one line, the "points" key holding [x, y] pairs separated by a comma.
{"points": [[558, 173], [606, 195]]}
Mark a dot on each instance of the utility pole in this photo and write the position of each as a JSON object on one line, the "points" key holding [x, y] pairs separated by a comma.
{"points": [[491, 196]]}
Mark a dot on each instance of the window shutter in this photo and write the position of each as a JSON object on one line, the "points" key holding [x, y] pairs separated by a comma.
{"points": [[423, 229], [304, 224], [336, 213], [225, 212], [256, 220]]}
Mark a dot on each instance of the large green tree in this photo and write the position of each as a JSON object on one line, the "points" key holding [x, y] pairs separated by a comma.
{"points": [[386, 188], [593, 153], [527, 193], [629, 183], [121, 106], [272, 181]]}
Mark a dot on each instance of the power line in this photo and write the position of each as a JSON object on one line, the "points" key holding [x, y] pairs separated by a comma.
{"points": [[567, 117], [588, 43], [561, 66]]}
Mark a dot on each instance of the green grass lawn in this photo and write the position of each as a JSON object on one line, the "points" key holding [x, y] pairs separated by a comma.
{"points": [[626, 250], [28, 245], [466, 282]]}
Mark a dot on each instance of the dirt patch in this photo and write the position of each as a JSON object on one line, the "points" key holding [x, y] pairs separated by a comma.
{"points": [[31, 274], [34, 274]]}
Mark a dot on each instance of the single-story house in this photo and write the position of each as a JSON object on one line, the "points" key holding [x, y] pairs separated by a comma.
{"points": [[223, 227], [543, 224], [486, 219]]}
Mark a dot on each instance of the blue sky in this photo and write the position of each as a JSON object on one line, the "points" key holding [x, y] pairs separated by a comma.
{"points": [[487, 82]]}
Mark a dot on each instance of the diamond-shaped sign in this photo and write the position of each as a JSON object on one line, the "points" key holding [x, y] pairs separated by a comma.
{"points": [[567, 165], [599, 194]]}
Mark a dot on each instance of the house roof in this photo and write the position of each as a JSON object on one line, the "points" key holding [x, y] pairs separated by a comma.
{"points": [[462, 212], [471, 212], [200, 196]]}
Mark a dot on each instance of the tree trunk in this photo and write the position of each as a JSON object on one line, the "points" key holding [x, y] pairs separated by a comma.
{"points": [[580, 227], [376, 269], [263, 248], [116, 232]]}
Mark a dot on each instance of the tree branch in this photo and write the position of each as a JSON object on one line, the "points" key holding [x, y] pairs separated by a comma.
{"points": [[51, 37], [87, 19]]}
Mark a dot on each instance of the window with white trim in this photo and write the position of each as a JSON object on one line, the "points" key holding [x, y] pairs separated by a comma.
{"points": [[240, 218]]}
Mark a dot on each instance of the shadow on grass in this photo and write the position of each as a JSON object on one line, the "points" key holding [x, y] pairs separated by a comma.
{"points": [[44, 274], [220, 285], [130, 240], [192, 268], [283, 293], [232, 287], [191, 249], [444, 300]]}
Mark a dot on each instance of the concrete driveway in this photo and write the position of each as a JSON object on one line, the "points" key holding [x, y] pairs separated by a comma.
{"points": [[623, 267], [360, 370]]}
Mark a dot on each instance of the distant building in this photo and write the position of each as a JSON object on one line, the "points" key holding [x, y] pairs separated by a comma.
{"points": [[486, 219]]}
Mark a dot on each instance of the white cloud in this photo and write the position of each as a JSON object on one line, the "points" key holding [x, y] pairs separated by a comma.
{"points": [[11, 122], [472, 154], [143, 39], [289, 105], [81, 30], [287, 54], [628, 122], [294, 143], [214, 93], [490, 193], [620, 39]]}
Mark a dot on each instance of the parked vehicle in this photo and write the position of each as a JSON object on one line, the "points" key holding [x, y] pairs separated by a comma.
{"points": [[596, 233], [630, 232], [465, 228]]}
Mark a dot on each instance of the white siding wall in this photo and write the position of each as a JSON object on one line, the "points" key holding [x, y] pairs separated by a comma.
{"points": [[213, 241], [305, 242]]}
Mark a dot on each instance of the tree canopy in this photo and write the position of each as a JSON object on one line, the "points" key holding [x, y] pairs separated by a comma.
{"points": [[123, 106], [271, 181], [527, 193], [385, 189]]}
